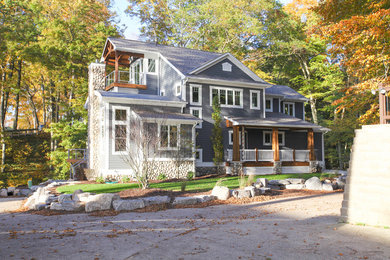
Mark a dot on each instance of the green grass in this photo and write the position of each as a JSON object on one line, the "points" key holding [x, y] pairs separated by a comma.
{"points": [[193, 185]]}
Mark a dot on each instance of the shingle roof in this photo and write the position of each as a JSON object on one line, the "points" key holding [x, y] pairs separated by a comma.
{"points": [[276, 120], [285, 91], [164, 116], [184, 59], [138, 96]]}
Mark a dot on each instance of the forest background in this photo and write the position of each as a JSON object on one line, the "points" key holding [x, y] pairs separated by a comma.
{"points": [[334, 52]]}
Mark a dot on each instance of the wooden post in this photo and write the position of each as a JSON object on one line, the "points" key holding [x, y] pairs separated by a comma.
{"points": [[275, 144], [116, 67], [294, 155], [310, 144], [236, 143]]}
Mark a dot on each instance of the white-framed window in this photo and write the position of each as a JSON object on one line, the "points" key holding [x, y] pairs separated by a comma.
{"points": [[197, 112], [226, 66], [196, 94], [289, 108], [199, 155], [178, 90], [169, 136], [136, 73], [269, 105], [228, 97], [231, 137], [255, 99], [151, 66], [267, 138], [121, 129]]}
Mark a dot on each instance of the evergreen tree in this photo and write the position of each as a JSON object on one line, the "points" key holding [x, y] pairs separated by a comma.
{"points": [[216, 137]]}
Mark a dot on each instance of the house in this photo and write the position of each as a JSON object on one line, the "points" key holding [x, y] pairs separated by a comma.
{"points": [[167, 92]]}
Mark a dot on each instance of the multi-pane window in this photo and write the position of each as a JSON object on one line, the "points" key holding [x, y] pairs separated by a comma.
{"points": [[268, 104], [178, 90], [288, 108], [169, 137], [227, 97], [267, 138], [196, 94], [121, 129], [197, 112], [255, 99], [151, 65]]}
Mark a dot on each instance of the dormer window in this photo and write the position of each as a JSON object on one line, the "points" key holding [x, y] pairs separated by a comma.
{"points": [[151, 66], [226, 66]]}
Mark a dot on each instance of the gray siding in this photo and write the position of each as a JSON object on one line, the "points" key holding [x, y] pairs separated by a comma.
{"points": [[216, 71], [275, 104], [152, 85], [203, 139], [299, 107], [169, 79]]}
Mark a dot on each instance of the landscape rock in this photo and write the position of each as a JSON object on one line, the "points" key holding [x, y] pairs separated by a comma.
{"points": [[327, 187], [295, 186], [262, 181], [11, 190], [313, 183], [221, 192], [239, 194], [100, 202], [205, 198], [296, 180], [67, 206], [252, 190], [82, 197], [264, 190], [39, 206], [274, 187], [156, 200], [34, 188], [120, 205], [340, 182], [185, 201], [30, 203], [77, 192], [25, 192], [64, 197], [3, 193]]}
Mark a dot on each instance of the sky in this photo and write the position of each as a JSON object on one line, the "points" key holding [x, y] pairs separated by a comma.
{"points": [[131, 25]]}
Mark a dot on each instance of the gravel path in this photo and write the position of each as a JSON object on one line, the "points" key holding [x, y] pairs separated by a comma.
{"points": [[289, 228], [10, 204]]}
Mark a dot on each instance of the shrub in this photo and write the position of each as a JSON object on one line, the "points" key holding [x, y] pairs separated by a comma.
{"points": [[161, 177], [125, 179], [100, 180], [190, 175]]}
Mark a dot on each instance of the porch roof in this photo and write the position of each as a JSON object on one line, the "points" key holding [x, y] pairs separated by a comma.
{"points": [[169, 117], [276, 120]]}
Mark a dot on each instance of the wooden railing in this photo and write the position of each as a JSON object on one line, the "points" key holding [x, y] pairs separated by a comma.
{"points": [[125, 77], [257, 155]]}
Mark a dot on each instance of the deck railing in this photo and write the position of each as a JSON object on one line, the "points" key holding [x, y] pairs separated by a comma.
{"points": [[125, 77], [249, 155]]}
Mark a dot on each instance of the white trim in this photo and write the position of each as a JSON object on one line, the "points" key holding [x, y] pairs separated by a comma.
{"points": [[199, 125], [146, 66], [270, 132], [107, 135], [200, 80], [200, 160], [230, 137], [178, 87], [293, 106], [168, 148], [258, 99], [295, 169], [144, 101], [263, 103], [272, 105], [125, 123], [199, 103], [169, 159], [226, 66], [226, 97], [204, 164]]}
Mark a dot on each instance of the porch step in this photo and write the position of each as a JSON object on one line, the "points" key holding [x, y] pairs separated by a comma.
{"points": [[368, 182]]}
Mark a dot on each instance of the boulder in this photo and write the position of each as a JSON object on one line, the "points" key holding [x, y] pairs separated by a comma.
{"points": [[67, 206], [120, 205], [39, 206], [16, 192], [156, 200], [64, 197], [3, 193], [82, 197], [295, 186], [340, 182], [296, 180], [185, 201], [240, 194], [264, 190], [34, 188], [100, 202], [327, 187], [252, 190], [25, 192], [221, 192], [262, 181], [313, 183], [274, 187], [11, 190], [205, 198], [30, 203], [77, 192]]}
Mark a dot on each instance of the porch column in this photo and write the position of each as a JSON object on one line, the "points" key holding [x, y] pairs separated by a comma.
{"points": [[275, 144], [236, 143], [116, 67], [310, 144]]}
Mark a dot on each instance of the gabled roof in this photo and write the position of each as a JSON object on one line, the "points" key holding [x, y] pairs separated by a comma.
{"points": [[285, 91], [152, 116]]}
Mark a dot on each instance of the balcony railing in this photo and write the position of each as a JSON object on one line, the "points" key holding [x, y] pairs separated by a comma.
{"points": [[249, 155], [126, 78]]}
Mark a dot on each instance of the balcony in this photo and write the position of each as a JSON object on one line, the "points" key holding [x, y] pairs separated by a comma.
{"points": [[124, 79]]}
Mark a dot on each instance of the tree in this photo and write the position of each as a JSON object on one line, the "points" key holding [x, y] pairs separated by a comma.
{"points": [[216, 136]]}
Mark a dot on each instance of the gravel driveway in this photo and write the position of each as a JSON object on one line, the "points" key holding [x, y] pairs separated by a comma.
{"points": [[289, 228]]}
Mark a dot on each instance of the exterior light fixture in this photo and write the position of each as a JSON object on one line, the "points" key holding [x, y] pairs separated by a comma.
{"points": [[373, 91]]}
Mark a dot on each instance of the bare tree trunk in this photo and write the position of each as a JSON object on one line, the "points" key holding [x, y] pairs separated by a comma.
{"points": [[339, 154], [43, 102], [33, 107], [313, 110], [18, 95]]}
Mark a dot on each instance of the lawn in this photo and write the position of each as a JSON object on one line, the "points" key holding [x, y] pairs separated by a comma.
{"points": [[193, 185]]}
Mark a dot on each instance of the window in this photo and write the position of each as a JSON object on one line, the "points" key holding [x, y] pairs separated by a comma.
{"points": [[227, 97], [289, 108], [151, 65], [231, 137], [268, 105], [195, 94], [136, 73], [267, 138], [226, 66], [178, 90], [199, 155], [162, 93], [255, 99], [169, 137], [197, 112], [121, 129]]}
